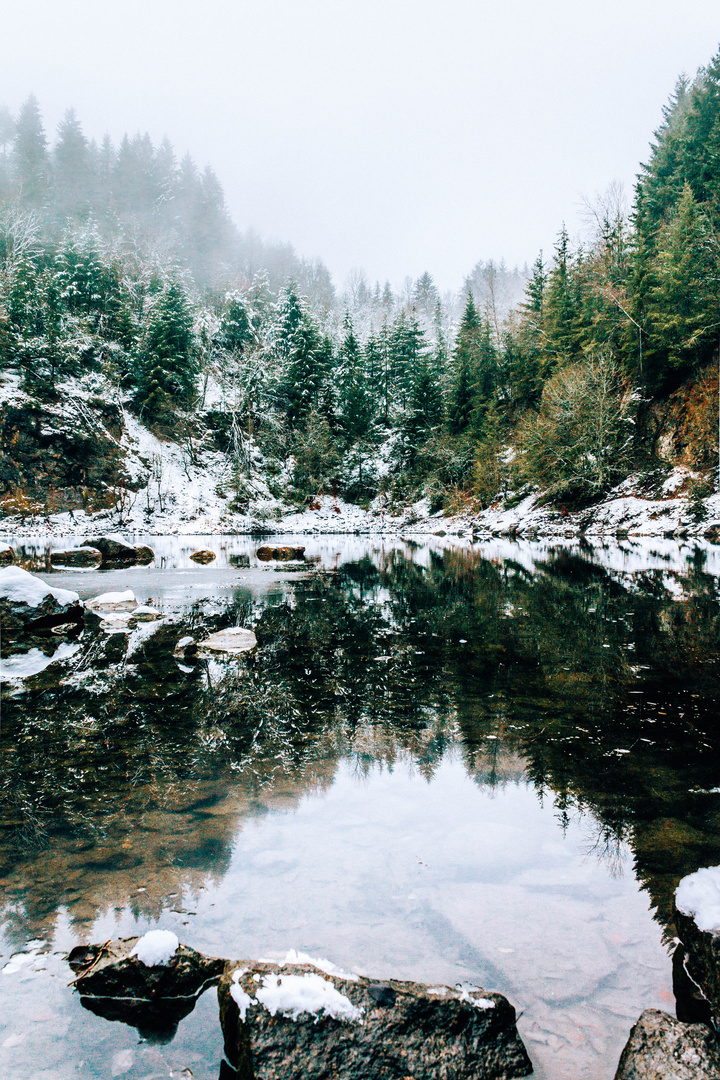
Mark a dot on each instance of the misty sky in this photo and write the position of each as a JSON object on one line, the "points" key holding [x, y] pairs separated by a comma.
{"points": [[397, 136]]}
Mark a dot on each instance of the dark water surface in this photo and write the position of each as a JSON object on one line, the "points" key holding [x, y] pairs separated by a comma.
{"points": [[491, 764]]}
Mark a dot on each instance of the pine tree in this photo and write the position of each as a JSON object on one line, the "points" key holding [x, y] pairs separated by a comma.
{"points": [[30, 153], [355, 400], [684, 302], [166, 369], [72, 173], [465, 363]]}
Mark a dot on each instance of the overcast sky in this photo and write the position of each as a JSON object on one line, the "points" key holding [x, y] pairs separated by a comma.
{"points": [[398, 136]]}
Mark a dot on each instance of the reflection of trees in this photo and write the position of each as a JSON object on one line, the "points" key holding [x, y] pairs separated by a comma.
{"points": [[134, 772]]}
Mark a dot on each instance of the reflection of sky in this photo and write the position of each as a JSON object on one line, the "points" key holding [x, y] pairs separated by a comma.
{"points": [[442, 881]]}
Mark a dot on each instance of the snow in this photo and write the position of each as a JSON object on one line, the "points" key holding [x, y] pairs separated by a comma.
{"points": [[309, 993], [156, 948], [19, 667], [241, 999], [22, 587], [698, 895], [293, 957]]}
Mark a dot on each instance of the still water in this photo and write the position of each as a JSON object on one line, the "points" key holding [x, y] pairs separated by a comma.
{"points": [[488, 764]]}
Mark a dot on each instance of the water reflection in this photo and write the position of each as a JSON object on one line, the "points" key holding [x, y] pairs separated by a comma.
{"points": [[137, 785]]}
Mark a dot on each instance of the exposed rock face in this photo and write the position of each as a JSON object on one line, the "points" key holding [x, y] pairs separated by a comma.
{"points": [[82, 556], [27, 603], [144, 554], [662, 1048], [203, 557], [280, 554], [7, 555], [702, 958], [364, 1030], [233, 640]]}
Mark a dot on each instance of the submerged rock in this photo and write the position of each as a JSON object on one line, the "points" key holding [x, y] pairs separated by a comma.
{"points": [[82, 556], [27, 603], [235, 639], [280, 554], [203, 556], [242, 562], [663, 1048], [298, 1022], [697, 920]]}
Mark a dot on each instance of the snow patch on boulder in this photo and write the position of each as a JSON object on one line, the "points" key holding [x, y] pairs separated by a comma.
{"points": [[698, 895], [21, 587], [310, 993], [156, 948]]}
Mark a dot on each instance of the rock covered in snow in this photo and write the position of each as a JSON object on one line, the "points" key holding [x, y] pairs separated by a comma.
{"points": [[7, 555], [113, 549], [76, 557], [26, 601], [113, 601], [203, 557], [147, 968], [235, 639], [116, 551], [697, 920], [303, 1022], [662, 1048]]}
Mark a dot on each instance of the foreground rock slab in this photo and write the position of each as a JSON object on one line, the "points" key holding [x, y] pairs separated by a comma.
{"points": [[298, 1022], [662, 1048]]}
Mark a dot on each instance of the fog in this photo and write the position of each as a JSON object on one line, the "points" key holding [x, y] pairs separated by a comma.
{"points": [[397, 137]]}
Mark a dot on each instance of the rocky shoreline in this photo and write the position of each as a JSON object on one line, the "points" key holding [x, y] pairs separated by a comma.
{"points": [[669, 510]]}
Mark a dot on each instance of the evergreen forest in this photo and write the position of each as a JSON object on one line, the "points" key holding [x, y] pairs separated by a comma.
{"points": [[600, 361]]}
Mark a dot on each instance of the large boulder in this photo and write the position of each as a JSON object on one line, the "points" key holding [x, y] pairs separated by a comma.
{"points": [[114, 550], [663, 1048], [280, 554], [697, 920], [144, 554], [299, 1022], [27, 603], [76, 557]]}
